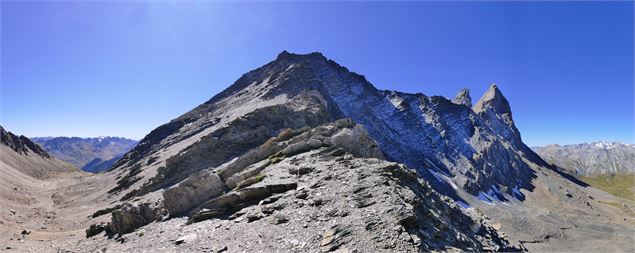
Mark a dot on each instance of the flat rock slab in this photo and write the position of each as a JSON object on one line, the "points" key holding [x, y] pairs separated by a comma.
{"points": [[186, 239]]}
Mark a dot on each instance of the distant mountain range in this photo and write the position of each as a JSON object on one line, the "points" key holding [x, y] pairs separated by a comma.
{"points": [[89, 154], [588, 159]]}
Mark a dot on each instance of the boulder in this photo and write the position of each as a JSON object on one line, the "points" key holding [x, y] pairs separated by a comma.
{"points": [[357, 142], [95, 229], [131, 216], [192, 192]]}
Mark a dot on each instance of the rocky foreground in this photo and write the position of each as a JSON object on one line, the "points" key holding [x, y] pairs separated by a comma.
{"points": [[324, 189]]}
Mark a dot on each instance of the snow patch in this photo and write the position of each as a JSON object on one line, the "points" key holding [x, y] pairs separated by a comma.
{"points": [[483, 197], [441, 177]]}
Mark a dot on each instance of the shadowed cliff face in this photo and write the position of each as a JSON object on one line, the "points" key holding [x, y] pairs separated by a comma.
{"points": [[477, 148]]}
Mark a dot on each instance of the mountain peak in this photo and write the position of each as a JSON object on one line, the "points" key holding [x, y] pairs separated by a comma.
{"points": [[285, 55], [463, 98], [493, 99], [495, 109]]}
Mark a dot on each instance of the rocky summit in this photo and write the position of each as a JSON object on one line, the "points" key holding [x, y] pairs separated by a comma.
{"points": [[477, 148], [302, 154]]}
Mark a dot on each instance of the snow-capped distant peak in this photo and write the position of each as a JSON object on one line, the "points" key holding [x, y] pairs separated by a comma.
{"points": [[610, 145], [604, 145]]}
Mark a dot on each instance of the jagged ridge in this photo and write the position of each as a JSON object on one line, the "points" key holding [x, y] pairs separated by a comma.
{"points": [[21, 144], [477, 147]]}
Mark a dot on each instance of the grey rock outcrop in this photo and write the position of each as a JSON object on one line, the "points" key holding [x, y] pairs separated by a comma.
{"points": [[133, 215], [463, 98], [495, 109], [328, 174], [192, 191]]}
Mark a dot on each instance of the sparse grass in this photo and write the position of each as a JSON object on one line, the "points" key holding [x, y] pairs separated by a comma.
{"points": [[276, 158], [619, 185], [259, 177], [252, 180]]}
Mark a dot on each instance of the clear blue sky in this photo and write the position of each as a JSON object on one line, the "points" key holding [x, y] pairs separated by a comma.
{"points": [[124, 68]]}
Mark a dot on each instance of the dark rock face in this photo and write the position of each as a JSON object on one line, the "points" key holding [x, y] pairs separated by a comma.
{"points": [[98, 165], [21, 144]]}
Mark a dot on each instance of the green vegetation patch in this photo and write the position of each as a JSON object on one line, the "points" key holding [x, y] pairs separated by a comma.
{"points": [[620, 185]]}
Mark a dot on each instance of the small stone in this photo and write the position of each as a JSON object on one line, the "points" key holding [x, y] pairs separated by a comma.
{"points": [[186, 239], [253, 217], [316, 202], [302, 194], [300, 171], [278, 219]]}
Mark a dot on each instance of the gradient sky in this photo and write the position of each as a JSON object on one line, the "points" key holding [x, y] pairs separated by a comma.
{"points": [[124, 68]]}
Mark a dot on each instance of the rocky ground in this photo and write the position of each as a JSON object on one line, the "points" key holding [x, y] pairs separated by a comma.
{"points": [[313, 196], [347, 205], [559, 214]]}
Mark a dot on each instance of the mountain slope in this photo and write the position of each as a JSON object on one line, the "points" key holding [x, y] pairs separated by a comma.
{"points": [[321, 186], [473, 147], [82, 151], [589, 159], [205, 164], [23, 156], [33, 185], [98, 165]]}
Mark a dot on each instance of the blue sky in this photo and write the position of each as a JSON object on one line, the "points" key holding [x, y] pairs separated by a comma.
{"points": [[124, 68]]}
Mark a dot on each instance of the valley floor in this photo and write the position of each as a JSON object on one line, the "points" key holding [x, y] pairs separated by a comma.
{"points": [[38, 214]]}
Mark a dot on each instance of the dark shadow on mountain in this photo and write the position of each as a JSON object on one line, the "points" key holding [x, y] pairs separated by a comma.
{"points": [[567, 176]]}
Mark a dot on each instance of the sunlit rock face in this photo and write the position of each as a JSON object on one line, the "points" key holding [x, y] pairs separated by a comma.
{"points": [[477, 147]]}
